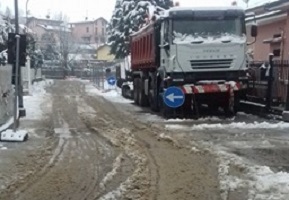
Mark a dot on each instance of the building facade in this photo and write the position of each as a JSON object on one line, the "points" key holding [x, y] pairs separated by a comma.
{"points": [[90, 32], [48, 31], [273, 30]]}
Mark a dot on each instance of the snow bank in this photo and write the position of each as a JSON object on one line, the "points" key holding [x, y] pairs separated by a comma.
{"points": [[112, 95], [193, 120], [260, 181], [33, 103], [242, 125], [234, 125]]}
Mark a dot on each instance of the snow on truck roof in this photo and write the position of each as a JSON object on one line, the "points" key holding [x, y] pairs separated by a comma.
{"points": [[206, 8], [166, 13]]}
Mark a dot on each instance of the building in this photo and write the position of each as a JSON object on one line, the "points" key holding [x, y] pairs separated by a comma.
{"points": [[103, 53], [90, 32], [48, 30], [273, 30]]}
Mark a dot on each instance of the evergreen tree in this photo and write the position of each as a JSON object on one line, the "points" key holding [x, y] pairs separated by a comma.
{"points": [[5, 28], [128, 17]]}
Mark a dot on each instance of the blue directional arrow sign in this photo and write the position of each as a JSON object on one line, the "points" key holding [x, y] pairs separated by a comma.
{"points": [[174, 97], [111, 80]]}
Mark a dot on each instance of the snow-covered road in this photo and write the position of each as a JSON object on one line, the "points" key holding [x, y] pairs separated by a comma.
{"points": [[85, 147], [252, 152], [91, 144]]}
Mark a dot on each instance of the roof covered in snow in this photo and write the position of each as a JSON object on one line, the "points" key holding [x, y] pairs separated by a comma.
{"points": [[55, 28], [89, 21]]}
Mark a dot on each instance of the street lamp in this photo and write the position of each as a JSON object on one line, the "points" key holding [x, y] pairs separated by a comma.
{"points": [[27, 1]]}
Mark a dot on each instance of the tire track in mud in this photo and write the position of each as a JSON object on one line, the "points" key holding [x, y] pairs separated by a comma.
{"points": [[81, 160], [105, 154], [174, 172]]}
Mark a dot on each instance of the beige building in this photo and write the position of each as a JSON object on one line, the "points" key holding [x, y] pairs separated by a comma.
{"points": [[90, 32]]}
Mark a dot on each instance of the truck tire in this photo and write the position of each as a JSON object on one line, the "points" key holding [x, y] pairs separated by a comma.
{"points": [[124, 91], [143, 100], [136, 91]]}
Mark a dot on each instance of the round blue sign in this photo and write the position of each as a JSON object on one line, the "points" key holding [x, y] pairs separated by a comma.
{"points": [[111, 80], [174, 97]]}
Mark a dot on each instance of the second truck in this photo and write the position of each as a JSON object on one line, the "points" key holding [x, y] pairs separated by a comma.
{"points": [[201, 51]]}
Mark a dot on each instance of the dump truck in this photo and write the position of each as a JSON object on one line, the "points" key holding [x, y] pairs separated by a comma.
{"points": [[187, 59]]}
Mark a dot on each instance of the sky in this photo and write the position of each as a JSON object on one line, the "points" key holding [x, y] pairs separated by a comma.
{"points": [[77, 10]]}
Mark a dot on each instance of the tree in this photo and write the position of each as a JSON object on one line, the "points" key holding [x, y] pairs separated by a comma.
{"points": [[5, 28], [36, 56], [66, 46], [8, 12], [48, 46], [128, 17]]}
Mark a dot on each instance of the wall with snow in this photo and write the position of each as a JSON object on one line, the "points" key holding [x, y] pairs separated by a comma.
{"points": [[29, 75], [6, 94]]}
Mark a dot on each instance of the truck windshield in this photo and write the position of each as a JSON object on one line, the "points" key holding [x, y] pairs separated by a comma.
{"points": [[187, 29]]}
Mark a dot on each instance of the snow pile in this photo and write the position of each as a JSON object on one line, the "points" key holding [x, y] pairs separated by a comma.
{"points": [[125, 139], [115, 168], [260, 181], [242, 125], [203, 119], [33, 103], [3, 57], [112, 95]]}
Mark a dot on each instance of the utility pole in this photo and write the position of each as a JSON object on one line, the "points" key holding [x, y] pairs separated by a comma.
{"points": [[22, 112]]}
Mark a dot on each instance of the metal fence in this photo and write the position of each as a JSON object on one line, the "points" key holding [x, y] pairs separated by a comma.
{"points": [[258, 85], [98, 74]]}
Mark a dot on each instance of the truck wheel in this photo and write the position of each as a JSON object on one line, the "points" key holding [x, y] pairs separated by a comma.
{"points": [[136, 91], [143, 100], [124, 91]]}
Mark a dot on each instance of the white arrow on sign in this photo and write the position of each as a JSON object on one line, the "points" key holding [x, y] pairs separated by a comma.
{"points": [[172, 97]]}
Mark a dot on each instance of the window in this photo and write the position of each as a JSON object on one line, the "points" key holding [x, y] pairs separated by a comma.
{"points": [[87, 29], [277, 52], [189, 28], [103, 31], [96, 30], [103, 23], [96, 39]]}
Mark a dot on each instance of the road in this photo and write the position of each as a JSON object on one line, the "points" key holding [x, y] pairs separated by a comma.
{"points": [[87, 148]]}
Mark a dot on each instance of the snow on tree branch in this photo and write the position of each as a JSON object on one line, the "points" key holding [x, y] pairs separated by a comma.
{"points": [[128, 17]]}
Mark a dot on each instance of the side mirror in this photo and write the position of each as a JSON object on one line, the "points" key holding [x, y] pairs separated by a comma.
{"points": [[166, 46], [254, 30]]}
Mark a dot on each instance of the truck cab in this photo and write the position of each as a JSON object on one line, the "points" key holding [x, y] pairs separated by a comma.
{"points": [[203, 44]]}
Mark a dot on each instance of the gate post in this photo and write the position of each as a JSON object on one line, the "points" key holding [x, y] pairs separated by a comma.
{"points": [[270, 83]]}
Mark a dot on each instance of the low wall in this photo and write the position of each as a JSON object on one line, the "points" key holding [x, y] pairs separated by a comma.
{"points": [[6, 94]]}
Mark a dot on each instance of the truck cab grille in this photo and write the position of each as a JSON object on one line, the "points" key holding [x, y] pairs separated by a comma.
{"points": [[211, 64]]}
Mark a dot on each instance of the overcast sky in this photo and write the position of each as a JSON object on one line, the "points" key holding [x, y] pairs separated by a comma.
{"points": [[79, 9]]}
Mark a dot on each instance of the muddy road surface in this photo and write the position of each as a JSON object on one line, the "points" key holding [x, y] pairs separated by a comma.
{"points": [[87, 149]]}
